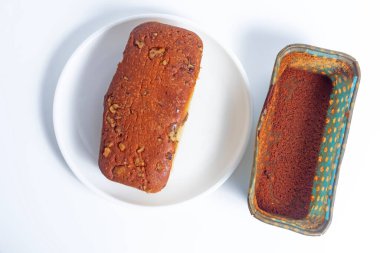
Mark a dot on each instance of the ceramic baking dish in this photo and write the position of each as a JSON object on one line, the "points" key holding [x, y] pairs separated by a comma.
{"points": [[344, 73]]}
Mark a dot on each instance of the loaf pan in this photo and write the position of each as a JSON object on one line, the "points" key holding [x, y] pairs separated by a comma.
{"points": [[344, 73]]}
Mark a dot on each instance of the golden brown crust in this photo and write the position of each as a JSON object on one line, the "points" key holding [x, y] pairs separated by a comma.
{"points": [[146, 104]]}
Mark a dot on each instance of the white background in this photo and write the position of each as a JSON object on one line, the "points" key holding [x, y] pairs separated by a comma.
{"points": [[44, 208]]}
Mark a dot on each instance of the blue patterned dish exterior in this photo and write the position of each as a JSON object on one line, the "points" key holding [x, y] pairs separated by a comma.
{"points": [[344, 72]]}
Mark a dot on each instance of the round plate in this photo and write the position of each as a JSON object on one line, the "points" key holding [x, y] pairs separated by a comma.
{"points": [[214, 137]]}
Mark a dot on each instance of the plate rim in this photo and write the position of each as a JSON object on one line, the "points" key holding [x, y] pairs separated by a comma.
{"points": [[180, 20]]}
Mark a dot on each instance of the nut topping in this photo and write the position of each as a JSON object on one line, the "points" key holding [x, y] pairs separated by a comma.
{"points": [[111, 121], [158, 167], [139, 162], [156, 52], [139, 43], [119, 170], [113, 108], [106, 151], [121, 146], [140, 149]]}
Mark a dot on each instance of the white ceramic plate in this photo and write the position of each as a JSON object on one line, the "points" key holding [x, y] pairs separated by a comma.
{"points": [[214, 137]]}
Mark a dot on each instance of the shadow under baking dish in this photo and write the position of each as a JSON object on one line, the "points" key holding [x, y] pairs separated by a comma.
{"points": [[300, 138]]}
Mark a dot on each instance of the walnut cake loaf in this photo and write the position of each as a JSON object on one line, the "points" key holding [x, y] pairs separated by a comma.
{"points": [[147, 104]]}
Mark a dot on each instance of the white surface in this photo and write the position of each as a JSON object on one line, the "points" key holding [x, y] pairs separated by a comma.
{"points": [[44, 208], [212, 143]]}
